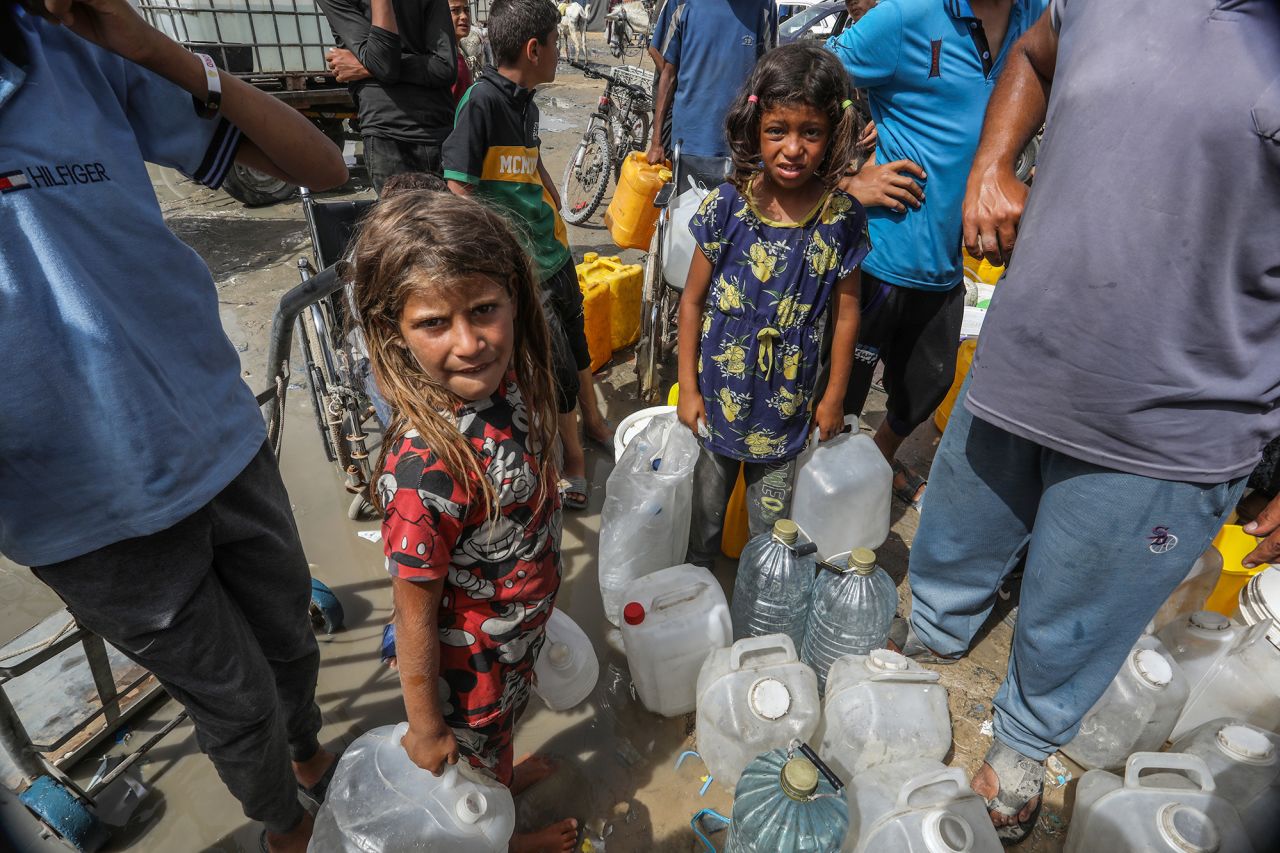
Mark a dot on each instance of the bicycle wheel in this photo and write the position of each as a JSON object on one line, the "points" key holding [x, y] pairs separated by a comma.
{"points": [[628, 131], [586, 176]]}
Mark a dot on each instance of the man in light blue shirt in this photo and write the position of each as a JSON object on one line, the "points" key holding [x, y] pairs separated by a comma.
{"points": [[928, 67], [136, 482]]}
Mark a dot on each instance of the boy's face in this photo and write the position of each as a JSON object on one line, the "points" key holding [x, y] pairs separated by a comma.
{"points": [[543, 56]]}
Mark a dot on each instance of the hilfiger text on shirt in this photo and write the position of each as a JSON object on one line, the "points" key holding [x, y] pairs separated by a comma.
{"points": [[42, 175]]}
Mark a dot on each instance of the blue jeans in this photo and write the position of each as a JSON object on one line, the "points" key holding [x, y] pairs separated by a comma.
{"points": [[1104, 549]]}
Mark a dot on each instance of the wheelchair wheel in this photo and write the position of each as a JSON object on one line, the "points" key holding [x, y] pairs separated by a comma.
{"points": [[64, 814], [586, 177], [326, 609]]}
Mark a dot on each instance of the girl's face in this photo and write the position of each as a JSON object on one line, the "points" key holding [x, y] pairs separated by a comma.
{"points": [[462, 334], [461, 18], [793, 141]]}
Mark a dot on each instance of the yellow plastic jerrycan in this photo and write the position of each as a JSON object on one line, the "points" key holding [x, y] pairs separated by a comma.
{"points": [[1234, 545], [597, 316], [631, 217], [737, 528], [982, 270], [625, 282], [964, 358]]}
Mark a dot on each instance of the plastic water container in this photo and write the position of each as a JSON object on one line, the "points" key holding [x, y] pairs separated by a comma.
{"points": [[882, 708], [625, 282], [1149, 813], [567, 669], [964, 360], [632, 425], [1245, 763], [597, 319], [842, 493], [1197, 640], [1136, 713], [771, 593], [917, 806], [1243, 684], [644, 524], [631, 217], [1234, 545], [672, 620], [784, 805], [1191, 595], [754, 696], [1260, 599], [381, 802], [850, 614], [284, 36]]}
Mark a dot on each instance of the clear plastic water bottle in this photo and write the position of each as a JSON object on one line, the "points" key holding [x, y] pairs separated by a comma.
{"points": [[783, 805], [851, 613], [771, 593]]}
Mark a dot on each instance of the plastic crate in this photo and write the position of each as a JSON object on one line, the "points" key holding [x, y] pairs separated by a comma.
{"points": [[285, 35]]}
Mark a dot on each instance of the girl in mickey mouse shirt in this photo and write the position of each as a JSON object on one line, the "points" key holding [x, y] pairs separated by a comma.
{"points": [[448, 302]]}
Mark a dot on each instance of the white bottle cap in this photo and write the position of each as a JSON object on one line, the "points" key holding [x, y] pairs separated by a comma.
{"points": [[560, 656], [1185, 828], [769, 699], [472, 807], [1209, 620], [1246, 742], [1152, 667], [886, 660], [945, 832]]}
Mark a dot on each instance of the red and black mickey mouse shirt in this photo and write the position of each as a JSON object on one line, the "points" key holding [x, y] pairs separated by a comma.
{"points": [[501, 576]]}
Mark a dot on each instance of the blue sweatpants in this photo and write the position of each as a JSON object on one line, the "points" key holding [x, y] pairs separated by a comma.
{"points": [[1104, 550]]}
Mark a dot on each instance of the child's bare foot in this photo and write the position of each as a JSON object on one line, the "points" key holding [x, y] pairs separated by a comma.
{"points": [[557, 838], [531, 770]]}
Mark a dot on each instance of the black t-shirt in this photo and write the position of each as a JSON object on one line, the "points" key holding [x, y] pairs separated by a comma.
{"points": [[408, 98]]}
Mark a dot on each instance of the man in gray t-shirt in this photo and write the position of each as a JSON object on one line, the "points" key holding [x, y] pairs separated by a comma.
{"points": [[1127, 378]]}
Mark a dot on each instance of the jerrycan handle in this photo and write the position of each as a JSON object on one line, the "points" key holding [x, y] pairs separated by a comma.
{"points": [[1193, 764], [677, 596], [954, 775], [771, 648]]}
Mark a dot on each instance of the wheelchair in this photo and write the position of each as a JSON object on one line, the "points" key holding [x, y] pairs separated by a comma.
{"points": [[667, 264], [343, 394]]}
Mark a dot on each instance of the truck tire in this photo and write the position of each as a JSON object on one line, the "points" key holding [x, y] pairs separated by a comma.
{"points": [[254, 188]]}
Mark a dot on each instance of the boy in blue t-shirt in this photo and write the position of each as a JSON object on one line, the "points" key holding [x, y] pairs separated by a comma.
{"points": [[170, 537]]}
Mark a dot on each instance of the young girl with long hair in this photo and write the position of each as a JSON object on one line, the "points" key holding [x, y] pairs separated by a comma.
{"points": [[458, 344], [779, 254]]}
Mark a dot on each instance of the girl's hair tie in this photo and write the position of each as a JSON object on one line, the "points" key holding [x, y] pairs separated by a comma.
{"points": [[846, 104], [751, 99]]}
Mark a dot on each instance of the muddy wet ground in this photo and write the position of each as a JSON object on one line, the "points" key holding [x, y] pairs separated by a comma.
{"points": [[619, 776]]}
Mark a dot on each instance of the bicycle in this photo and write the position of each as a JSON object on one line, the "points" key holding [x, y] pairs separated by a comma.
{"points": [[619, 126], [629, 31]]}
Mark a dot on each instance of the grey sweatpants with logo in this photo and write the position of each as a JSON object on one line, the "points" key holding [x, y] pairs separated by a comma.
{"points": [[768, 499], [216, 607]]}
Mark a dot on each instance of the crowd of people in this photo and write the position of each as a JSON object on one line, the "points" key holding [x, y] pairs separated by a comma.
{"points": [[1121, 393]]}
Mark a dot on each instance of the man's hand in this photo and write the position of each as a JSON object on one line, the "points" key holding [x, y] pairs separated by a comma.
{"points": [[344, 65], [828, 417], [993, 205], [655, 154], [111, 24], [1266, 524], [431, 749], [893, 185]]}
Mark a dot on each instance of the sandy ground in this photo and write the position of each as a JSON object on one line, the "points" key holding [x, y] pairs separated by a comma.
{"points": [[619, 775]]}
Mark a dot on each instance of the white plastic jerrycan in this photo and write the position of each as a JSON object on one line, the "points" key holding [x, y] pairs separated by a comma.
{"points": [[673, 619], [381, 802], [1197, 640], [1158, 813], [882, 708], [1136, 713], [753, 697], [1244, 683], [842, 492], [917, 806], [1245, 763], [567, 668]]}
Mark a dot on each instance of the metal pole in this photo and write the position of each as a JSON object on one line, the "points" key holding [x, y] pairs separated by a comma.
{"points": [[14, 739], [103, 678], [120, 768]]}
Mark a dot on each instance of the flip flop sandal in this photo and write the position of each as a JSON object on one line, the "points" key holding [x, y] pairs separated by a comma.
{"points": [[1021, 780], [907, 493], [316, 793], [902, 635], [573, 492], [387, 651]]}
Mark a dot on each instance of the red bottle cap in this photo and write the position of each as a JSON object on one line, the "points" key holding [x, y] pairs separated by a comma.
{"points": [[633, 613]]}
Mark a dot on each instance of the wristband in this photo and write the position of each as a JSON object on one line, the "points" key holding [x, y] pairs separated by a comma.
{"points": [[208, 108]]}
